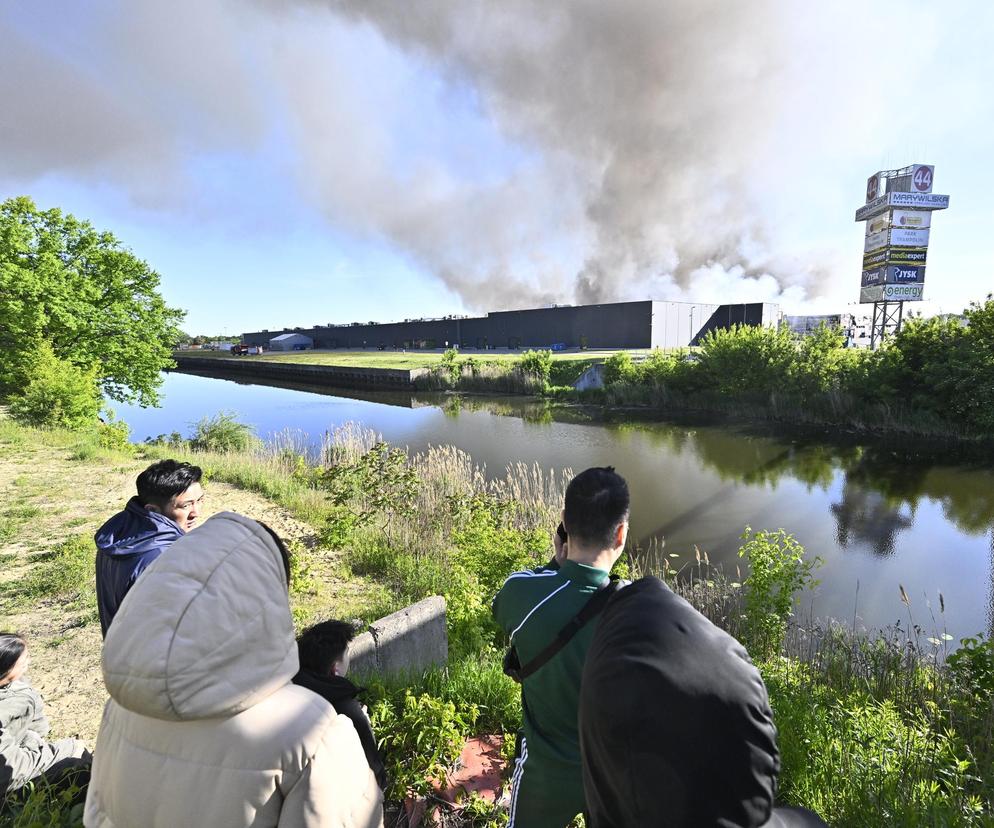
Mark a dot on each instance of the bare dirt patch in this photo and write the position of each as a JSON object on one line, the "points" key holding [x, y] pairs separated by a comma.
{"points": [[49, 497]]}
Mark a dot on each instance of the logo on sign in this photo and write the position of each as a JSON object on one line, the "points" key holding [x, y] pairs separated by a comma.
{"points": [[903, 292], [908, 256], [908, 237], [871, 187], [875, 225], [921, 178], [873, 277], [871, 260], [905, 274], [912, 218]]}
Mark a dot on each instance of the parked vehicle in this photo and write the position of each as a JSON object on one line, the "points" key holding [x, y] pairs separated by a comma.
{"points": [[240, 350]]}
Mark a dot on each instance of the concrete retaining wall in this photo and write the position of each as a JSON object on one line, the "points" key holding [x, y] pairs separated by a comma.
{"points": [[333, 376], [409, 641]]}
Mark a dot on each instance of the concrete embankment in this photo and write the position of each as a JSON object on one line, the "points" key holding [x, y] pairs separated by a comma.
{"points": [[332, 376]]}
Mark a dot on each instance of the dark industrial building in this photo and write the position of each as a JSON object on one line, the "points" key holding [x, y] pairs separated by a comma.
{"points": [[645, 324]]}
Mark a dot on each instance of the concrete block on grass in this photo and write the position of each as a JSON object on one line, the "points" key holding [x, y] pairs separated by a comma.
{"points": [[408, 641]]}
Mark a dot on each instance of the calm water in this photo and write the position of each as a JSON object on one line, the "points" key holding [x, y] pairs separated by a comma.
{"points": [[879, 517]]}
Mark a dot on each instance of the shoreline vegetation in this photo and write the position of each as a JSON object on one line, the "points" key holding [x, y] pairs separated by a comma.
{"points": [[892, 728], [933, 380]]}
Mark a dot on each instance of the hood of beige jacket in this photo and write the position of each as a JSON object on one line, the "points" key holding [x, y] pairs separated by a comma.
{"points": [[206, 631]]}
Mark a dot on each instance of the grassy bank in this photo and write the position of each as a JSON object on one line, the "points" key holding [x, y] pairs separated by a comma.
{"points": [[873, 732], [393, 359]]}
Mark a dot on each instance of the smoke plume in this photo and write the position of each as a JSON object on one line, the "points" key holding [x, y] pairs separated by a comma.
{"points": [[635, 139]]}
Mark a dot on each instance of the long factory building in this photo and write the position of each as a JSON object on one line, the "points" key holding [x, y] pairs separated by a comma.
{"points": [[643, 324]]}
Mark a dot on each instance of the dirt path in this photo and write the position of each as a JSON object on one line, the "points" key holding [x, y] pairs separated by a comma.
{"points": [[47, 497]]}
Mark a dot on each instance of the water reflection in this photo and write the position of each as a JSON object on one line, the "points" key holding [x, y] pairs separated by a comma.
{"points": [[877, 513]]}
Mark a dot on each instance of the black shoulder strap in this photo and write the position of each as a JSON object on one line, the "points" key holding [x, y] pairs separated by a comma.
{"points": [[590, 609]]}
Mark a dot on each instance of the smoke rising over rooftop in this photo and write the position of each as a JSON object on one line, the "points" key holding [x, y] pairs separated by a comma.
{"points": [[603, 151]]}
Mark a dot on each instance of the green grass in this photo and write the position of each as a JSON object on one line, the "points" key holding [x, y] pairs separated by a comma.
{"points": [[394, 359], [65, 572]]}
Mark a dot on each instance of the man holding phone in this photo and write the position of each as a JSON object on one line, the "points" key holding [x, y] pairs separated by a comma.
{"points": [[534, 607]]}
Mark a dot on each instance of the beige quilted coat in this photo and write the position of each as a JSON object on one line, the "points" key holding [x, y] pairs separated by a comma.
{"points": [[203, 727]]}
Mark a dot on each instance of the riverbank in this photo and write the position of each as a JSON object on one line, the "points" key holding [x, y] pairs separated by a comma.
{"points": [[872, 732], [934, 380]]}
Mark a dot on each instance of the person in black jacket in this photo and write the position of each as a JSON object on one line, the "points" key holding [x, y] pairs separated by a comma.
{"points": [[324, 662], [675, 722]]}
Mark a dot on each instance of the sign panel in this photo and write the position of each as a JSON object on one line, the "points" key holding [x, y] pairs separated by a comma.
{"points": [[904, 274], [921, 201], [921, 178], [907, 255], [875, 259], [909, 237], [872, 187], [875, 240], [873, 277], [892, 293], [895, 255], [911, 218], [878, 223]]}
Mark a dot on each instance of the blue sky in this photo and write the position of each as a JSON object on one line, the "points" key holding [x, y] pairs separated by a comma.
{"points": [[293, 163]]}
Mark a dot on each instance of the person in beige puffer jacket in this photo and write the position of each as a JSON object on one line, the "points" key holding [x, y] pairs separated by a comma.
{"points": [[203, 726]]}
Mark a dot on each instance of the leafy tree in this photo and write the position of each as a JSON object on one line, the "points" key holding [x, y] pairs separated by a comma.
{"points": [[58, 394], [90, 299]]}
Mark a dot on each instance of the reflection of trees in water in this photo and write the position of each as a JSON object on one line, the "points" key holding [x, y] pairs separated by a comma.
{"points": [[866, 517], [881, 482], [990, 599]]}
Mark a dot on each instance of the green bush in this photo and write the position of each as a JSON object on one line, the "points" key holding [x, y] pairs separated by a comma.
{"points": [[619, 367], [421, 738], [537, 363], [748, 361], [57, 393], [862, 763], [777, 570], [222, 433]]}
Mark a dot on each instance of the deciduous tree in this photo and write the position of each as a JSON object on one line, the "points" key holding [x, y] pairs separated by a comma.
{"points": [[92, 300]]}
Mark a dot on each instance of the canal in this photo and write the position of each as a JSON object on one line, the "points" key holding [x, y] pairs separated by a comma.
{"points": [[880, 515]]}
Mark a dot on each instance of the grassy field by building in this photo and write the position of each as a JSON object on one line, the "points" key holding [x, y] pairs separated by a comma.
{"points": [[393, 359]]}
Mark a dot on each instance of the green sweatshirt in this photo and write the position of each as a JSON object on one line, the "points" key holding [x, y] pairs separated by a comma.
{"points": [[531, 608]]}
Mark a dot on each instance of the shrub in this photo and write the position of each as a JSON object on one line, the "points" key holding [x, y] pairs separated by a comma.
{"points": [[750, 361], [222, 433], [57, 394], [861, 763], [777, 570], [537, 363], [113, 434], [620, 368], [421, 737]]}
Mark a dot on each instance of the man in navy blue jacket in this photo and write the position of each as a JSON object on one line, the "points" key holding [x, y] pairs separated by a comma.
{"points": [[167, 506]]}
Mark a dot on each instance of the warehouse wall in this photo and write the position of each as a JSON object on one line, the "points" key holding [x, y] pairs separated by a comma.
{"points": [[646, 324]]}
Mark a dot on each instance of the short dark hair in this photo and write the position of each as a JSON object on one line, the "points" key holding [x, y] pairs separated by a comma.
{"points": [[323, 644], [11, 649], [163, 480], [596, 502]]}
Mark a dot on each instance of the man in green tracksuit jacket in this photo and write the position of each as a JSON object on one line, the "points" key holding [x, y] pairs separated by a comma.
{"points": [[532, 607]]}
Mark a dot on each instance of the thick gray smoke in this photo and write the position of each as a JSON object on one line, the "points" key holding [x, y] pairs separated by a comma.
{"points": [[637, 130], [660, 111]]}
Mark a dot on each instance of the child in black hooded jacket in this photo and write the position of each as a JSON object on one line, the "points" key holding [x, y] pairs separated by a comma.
{"points": [[324, 662]]}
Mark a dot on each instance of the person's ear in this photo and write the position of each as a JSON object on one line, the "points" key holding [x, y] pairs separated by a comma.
{"points": [[621, 534]]}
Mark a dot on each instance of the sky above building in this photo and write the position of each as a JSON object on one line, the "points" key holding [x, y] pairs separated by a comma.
{"points": [[301, 162]]}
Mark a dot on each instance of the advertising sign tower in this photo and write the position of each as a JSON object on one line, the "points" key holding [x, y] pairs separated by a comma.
{"points": [[898, 216]]}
